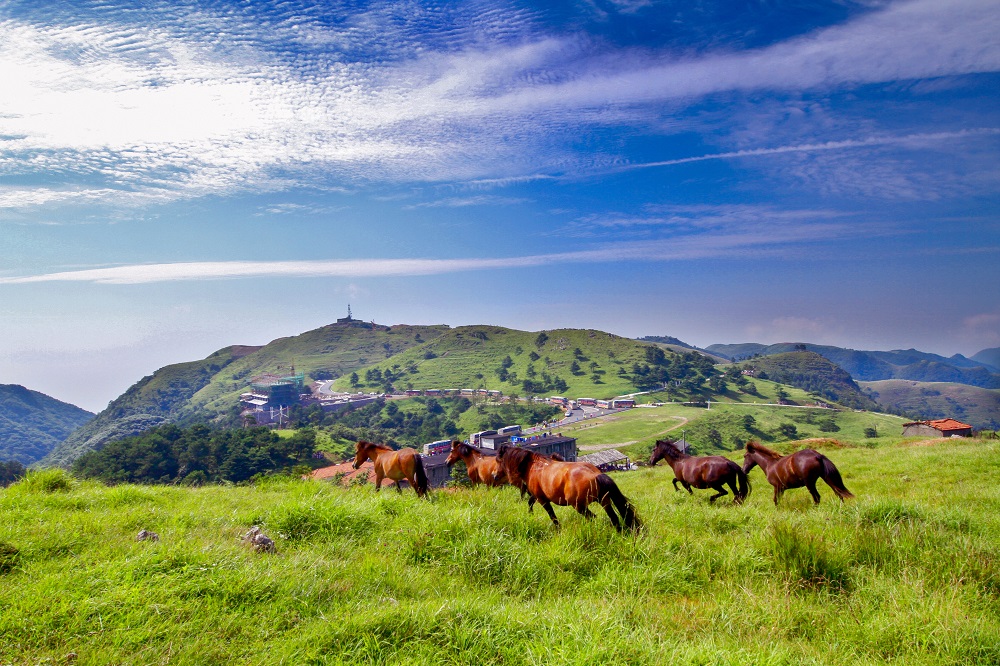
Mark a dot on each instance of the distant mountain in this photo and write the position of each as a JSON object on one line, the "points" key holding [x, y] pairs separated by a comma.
{"points": [[812, 372], [675, 344], [989, 357], [976, 406], [32, 424], [879, 365]]}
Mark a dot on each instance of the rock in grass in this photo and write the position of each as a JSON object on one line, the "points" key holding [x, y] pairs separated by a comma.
{"points": [[146, 535], [261, 543]]}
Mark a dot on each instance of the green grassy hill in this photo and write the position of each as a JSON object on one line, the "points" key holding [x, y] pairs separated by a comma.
{"points": [[569, 362], [32, 424], [814, 373], [908, 573], [209, 389], [936, 400]]}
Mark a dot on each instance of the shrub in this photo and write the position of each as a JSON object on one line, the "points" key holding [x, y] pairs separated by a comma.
{"points": [[45, 481]]}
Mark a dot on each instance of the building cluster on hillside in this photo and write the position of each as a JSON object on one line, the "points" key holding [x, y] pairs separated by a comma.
{"points": [[271, 395]]}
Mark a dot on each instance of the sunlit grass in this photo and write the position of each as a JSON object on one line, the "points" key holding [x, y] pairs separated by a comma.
{"points": [[907, 573]]}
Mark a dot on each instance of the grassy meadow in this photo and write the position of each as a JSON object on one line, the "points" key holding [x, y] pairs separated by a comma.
{"points": [[907, 573]]}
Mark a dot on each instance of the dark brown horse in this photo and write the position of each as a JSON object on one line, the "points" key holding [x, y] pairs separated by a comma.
{"points": [[703, 472], [574, 484], [482, 469], [397, 465], [802, 468]]}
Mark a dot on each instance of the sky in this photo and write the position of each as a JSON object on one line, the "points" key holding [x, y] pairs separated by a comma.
{"points": [[182, 176]]}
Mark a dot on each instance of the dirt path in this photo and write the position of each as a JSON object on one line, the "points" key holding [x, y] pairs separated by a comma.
{"points": [[602, 447]]}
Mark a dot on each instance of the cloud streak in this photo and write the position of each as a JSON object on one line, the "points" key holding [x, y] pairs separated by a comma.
{"points": [[694, 246], [910, 140]]}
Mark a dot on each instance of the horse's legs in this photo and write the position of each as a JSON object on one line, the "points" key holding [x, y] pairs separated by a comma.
{"points": [[777, 495], [811, 485], [675, 484], [378, 481], [399, 486], [531, 504], [552, 514], [687, 486], [584, 511], [721, 492]]}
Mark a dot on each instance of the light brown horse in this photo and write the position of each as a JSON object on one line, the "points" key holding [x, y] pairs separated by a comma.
{"points": [[397, 465], [574, 484], [703, 471], [802, 468], [482, 469]]}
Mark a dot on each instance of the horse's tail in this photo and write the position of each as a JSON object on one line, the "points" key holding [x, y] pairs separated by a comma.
{"points": [[743, 482], [606, 487], [831, 475], [418, 471]]}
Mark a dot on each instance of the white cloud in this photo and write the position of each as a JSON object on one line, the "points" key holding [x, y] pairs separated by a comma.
{"points": [[163, 112], [742, 242]]}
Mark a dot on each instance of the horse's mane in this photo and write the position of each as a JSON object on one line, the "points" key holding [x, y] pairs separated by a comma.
{"points": [[514, 457], [466, 449], [669, 447], [756, 447]]}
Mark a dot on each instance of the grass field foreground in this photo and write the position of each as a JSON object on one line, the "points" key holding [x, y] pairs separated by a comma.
{"points": [[908, 573]]}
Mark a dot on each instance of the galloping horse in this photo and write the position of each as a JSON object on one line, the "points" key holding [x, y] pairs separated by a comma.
{"points": [[703, 471], [574, 484], [482, 468], [397, 465], [802, 468]]}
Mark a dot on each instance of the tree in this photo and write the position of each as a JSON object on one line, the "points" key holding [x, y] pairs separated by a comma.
{"points": [[533, 356], [540, 340], [871, 432], [355, 380], [749, 422], [574, 367], [788, 430], [715, 438]]}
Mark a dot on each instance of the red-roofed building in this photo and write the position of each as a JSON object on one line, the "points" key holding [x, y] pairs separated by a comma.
{"points": [[938, 428]]}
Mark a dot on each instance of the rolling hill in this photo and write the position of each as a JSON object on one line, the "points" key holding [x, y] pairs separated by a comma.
{"points": [[878, 365], [32, 424], [210, 388], [812, 372], [935, 400]]}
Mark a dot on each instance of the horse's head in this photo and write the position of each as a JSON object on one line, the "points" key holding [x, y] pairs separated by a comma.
{"points": [[458, 449], [361, 450], [750, 456], [664, 449]]}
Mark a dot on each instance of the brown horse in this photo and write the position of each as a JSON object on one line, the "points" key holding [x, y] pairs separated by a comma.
{"points": [[482, 468], [397, 465], [802, 468], [703, 471], [574, 484]]}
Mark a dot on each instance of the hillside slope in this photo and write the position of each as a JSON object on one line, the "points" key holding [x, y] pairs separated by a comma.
{"points": [[209, 389], [812, 372], [570, 362], [976, 406], [879, 365], [32, 424]]}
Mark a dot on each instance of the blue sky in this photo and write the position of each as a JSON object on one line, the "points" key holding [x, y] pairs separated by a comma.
{"points": [[177, 177]]}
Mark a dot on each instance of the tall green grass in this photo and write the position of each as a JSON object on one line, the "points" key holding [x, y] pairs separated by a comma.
{"points": [[907, 573]]}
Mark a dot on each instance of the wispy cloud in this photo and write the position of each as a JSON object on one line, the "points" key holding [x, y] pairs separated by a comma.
{"points": [[464, 202], [481, 99], [746, 242], [909, 140]]}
